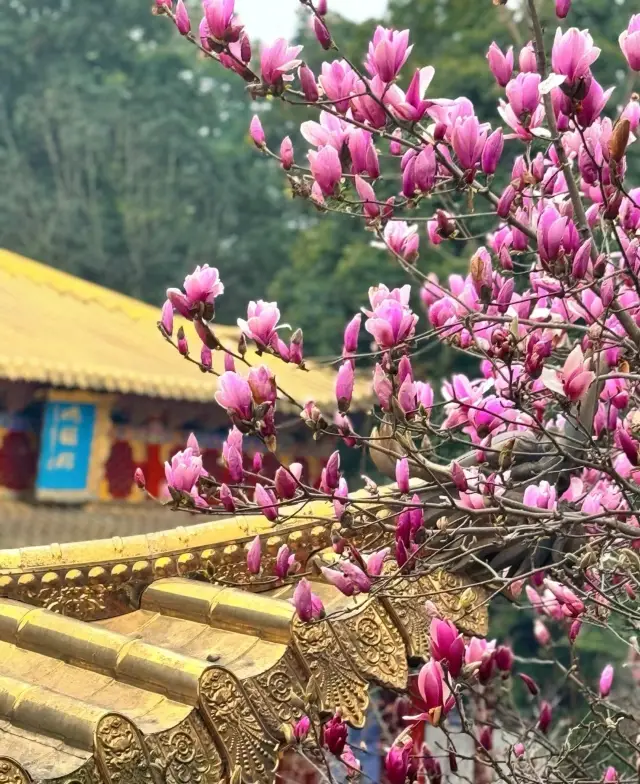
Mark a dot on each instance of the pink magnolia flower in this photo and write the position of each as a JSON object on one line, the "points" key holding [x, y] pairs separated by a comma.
{"points": [[523, 93], [334, 734], [447, 645], [219, 18], [364, 158], [576, 378], [357, 576], [166, 317], [260, 325], [391, 323], [562, 8], [382, 387], [432, 688], [338, 580], [234, 394], [397, 761], [301, 728], [184, 470], [492, 152], [277, 60], [468, 141], [351, 762], [542, 496], [254, 556], [606, 680], [351, 334], [262, 383], [375, 562], [306, 603], [478, 650], [388, 52], [326, 169], [183, 23], [519, 749], [345, 381], [286, 480], [630, 42], [610, 775], [283, 562], [402, 475], [527, 58], [202, 286], [501, 64], [267, 502], [545, 716], [338, 81], [330, 130], [402, 239], [573, 54]]}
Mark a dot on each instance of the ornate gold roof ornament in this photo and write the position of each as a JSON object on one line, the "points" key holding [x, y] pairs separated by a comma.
{"points": [[159, 658]]}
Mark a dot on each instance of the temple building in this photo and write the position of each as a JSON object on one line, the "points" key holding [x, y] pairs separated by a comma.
{"points": [[89, 390]]}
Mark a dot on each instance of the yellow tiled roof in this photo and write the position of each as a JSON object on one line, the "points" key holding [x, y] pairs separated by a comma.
{"points": [[60, 330]]}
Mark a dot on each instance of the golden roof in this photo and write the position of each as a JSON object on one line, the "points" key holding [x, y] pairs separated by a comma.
{"points": [[63, 331], [158, 658]]}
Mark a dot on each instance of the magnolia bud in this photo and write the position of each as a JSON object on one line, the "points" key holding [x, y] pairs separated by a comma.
{"points": [[139, 479], [206, 358], [183, 346], [257, 133], [286, 153], [166, 318], [619, 139], [322, 34], [308, 83], [182, 19]]}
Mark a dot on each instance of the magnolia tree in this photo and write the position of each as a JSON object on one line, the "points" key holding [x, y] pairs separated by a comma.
{"points": [[526, 477]]}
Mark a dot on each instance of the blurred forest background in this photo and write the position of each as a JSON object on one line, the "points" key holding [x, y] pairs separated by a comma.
{"points": [[125, 159]]}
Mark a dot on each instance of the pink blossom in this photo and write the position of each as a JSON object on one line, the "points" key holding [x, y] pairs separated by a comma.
{"points": [[522, 93], [501, 64], [391, 323], [277, 60], [351, 334], [630, 42], [262, 318], [357, 576], [545, 716], [364, 158], [397, 761], [234, 394], [334, 734], [338, 580], [375, 562], [184, 470], [542, 496], [267, 502], [183, 23], [201, 287], [254, 556], [573, 54], [282, 565], [338, 81], [606, 680], [402, 475], [382, 387], [301, 728], [527, 58], [432, 689], [519, 750], [306, 603], [562, 8], [263, 384], [610, 775], [219, 17], [541, 633], [388, 52], [326, 169], [576, 378], [468, 141], [402, 239]]}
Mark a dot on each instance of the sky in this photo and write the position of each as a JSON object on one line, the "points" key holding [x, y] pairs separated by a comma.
{"points": [[270, 19]]}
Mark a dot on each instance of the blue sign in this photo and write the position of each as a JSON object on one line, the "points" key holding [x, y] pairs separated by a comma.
{"points": [[65, 447]]}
